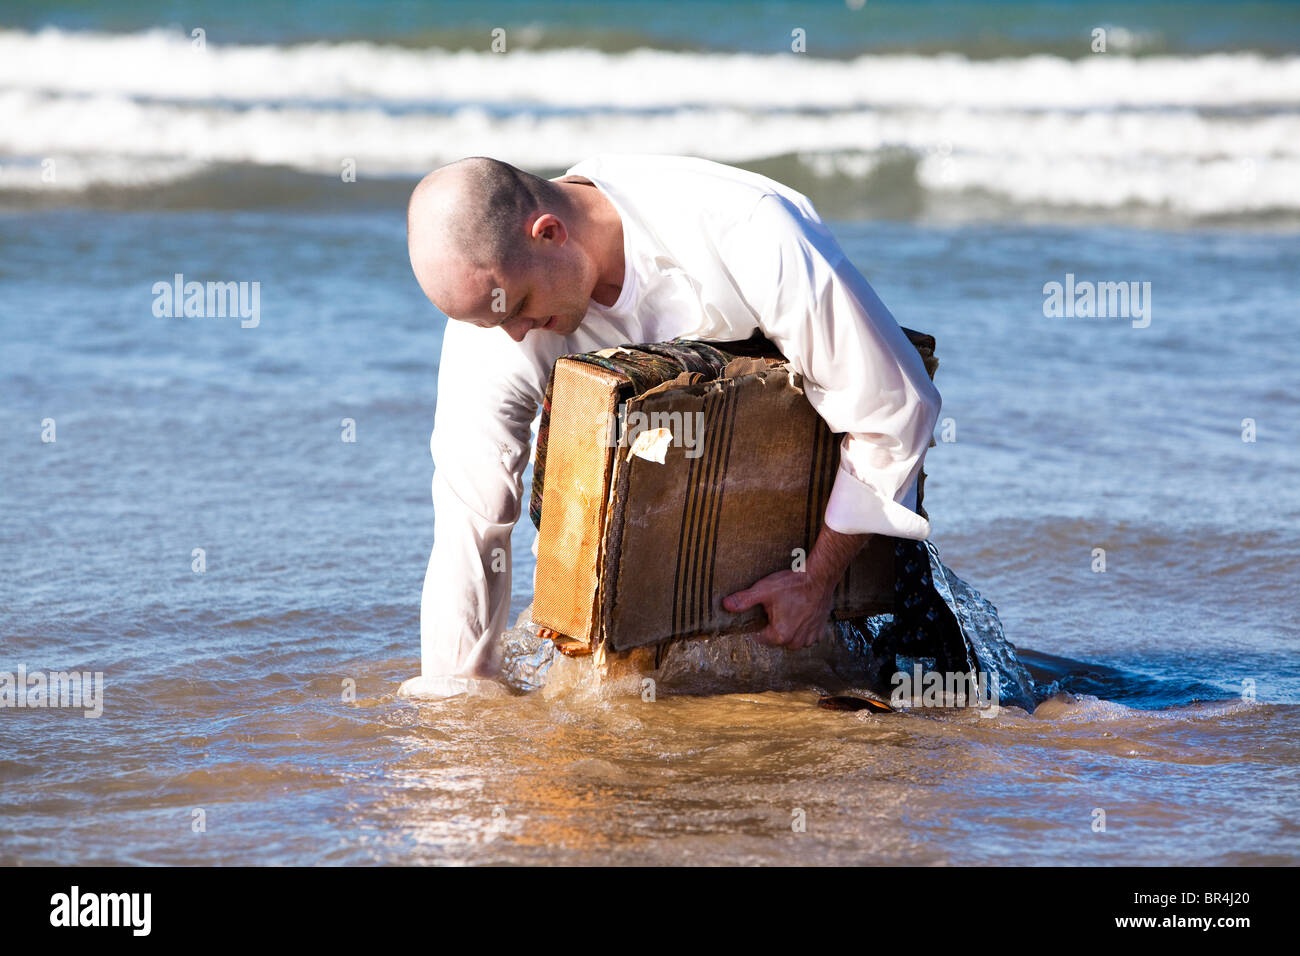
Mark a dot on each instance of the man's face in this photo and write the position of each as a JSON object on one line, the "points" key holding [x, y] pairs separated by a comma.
{"points": [[550, 296], [549, 292]]}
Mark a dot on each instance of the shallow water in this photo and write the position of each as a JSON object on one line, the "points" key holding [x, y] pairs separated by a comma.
{"points": [[224, 690], [227, 691], [287, 775]]}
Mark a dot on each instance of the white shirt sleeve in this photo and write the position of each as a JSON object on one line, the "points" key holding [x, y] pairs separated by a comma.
{"points": [[861, 373], [480, 445]]}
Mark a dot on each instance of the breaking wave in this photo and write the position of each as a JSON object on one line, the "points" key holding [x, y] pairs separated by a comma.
{"points": [[1194, 135]]}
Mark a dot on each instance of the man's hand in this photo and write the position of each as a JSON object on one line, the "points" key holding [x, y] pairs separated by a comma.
{"points": [[798, 603], [797, 607]]}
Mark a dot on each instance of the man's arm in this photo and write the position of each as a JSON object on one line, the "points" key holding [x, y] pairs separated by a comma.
{"points": [[864, 378], [480, 448]]}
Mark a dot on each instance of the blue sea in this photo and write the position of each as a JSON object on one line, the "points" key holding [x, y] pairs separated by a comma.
{"points": [[180, 510]]}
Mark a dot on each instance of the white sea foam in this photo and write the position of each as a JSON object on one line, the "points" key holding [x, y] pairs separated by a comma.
{"points": [[79, 173], [1198, 135], [166, 64]]}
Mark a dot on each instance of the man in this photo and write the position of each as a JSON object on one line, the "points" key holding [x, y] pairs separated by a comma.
{"points": [[627, 250]]}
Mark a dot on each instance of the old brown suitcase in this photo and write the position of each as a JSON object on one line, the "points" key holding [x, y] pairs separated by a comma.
{"points": [[635, 551]]}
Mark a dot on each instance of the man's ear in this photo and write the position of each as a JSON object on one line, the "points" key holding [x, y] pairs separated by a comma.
{"points": [[551, 228]]}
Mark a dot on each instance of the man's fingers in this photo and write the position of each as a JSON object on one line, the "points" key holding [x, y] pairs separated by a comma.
{"points": [[744, 600]]}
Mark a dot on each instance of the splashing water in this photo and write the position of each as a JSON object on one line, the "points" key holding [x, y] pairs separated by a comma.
{"points": [[853, 654], [982, 630]]}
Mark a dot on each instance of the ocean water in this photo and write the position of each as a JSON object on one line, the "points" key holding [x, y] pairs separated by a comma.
{"points": [[966, 155]]}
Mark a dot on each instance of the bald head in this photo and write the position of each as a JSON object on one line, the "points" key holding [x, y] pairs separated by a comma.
{"points": [[473, 217], [497, 247]]}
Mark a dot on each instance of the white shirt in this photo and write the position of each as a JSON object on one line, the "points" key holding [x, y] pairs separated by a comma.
{"points": [[712, 253]]}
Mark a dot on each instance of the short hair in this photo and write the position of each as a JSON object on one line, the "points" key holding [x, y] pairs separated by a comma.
{"points": [[493, 205]]}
